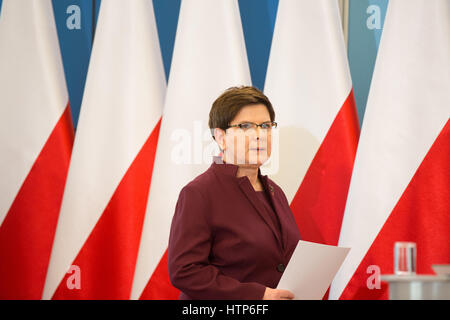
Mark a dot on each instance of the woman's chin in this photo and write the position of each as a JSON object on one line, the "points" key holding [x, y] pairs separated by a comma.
{"points": [[257, 159]]}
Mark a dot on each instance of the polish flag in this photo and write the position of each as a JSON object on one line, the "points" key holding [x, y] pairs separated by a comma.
{"points": [[400, 189], [97, 237], [36, 137], [209, 57], [308, 81]]}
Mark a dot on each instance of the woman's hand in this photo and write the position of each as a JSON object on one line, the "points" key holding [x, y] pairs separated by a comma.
{"points": [[277, 294]]}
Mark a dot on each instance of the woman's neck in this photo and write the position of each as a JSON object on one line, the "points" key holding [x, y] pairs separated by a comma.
{"points": [[251, 172]]}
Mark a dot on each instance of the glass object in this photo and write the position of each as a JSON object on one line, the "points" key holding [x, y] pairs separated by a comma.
{"points": [[405, 258]]}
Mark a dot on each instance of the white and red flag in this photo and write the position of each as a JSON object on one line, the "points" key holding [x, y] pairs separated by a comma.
{"points": [[209, 57], [400, 188], [102, 213], [36, 137], [308, 81]]}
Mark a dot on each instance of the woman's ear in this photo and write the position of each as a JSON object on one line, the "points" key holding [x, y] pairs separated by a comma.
{"points": [[219, 136]]}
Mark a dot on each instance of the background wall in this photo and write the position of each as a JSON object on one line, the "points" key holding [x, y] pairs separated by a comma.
{"points": [[365, 23], [75, 21]]}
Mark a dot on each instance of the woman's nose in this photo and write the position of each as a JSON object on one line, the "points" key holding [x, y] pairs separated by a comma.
{"points": [[255, 132]]}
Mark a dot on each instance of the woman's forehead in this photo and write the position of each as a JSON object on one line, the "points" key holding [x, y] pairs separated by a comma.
{"points": [[254, 113]]}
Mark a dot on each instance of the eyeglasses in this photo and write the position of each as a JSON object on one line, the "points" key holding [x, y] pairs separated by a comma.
{"points": [[251, 125]]}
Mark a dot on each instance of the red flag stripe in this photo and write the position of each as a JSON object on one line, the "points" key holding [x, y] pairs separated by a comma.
{"points": [[319, 203], [27, 232], [421, 215], [108, 257], [159, 286]]}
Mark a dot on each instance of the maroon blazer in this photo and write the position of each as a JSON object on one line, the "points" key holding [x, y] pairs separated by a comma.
{"points": [[222, 243]]}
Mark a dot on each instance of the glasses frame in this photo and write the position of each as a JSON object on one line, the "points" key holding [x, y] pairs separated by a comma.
{"points": [[239, 125]]}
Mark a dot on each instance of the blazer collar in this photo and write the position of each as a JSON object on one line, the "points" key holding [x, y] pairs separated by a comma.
{"points": [[230, 169]]}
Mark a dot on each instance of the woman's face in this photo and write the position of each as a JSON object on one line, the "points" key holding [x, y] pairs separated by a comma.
{"points": [[248, 146]]}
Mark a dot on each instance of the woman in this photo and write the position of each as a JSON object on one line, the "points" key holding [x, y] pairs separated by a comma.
{"points": [[233, 232]]}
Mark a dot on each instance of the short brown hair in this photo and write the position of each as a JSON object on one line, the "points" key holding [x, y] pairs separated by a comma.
{"points": [[229, 103]]}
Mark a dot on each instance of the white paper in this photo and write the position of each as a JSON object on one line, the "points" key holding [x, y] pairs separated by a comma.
{"points": [[311, 269]]}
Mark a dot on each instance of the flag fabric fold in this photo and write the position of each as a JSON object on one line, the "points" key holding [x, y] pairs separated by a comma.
{"points": [[308, 81], [36, 136], [209, 57], [400, 185], [103, 208]]}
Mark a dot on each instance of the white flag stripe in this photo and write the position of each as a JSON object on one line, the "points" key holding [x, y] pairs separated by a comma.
{"points": [[209, 56], [308, 80], [122, 103], [32, 90], [408, 105]]}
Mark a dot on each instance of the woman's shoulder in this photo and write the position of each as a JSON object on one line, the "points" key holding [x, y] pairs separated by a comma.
{"points": [[196, 195], [202, 183]]}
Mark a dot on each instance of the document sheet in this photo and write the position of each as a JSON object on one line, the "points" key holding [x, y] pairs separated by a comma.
{"points": [[311, 269]]}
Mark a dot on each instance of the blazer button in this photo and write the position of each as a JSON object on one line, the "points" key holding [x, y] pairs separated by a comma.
{"points": [[281, 267]]}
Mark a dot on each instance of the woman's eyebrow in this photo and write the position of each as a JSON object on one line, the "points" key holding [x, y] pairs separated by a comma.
{"points": [[252, 122]]}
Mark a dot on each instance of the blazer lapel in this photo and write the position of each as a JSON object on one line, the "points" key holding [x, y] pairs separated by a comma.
{"points": [[277, 206], [244, 183], [248, 190]]}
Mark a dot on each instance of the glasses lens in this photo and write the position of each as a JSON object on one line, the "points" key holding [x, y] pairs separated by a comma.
{"points": [[246, 125], [250, 125]]}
